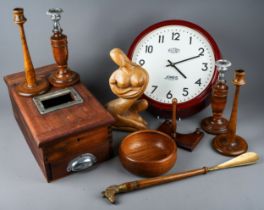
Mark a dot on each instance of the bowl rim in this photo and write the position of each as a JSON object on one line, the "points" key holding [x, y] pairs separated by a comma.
{"points": [[173, 153]]}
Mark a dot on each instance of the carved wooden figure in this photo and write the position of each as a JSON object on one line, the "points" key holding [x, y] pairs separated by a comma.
{"points": [[230, 144], [32, 85], [63, 77], [217, 124], [185, 141], [128, 82]]}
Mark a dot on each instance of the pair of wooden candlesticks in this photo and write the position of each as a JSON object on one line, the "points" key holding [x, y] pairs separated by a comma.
{"points": [[63, 77], [226, 142]]}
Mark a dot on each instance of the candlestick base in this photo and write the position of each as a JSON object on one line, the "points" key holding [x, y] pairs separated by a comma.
{"points": [[66, 79], [41, 86], [186, 141], [214, 126], [222, 145]]}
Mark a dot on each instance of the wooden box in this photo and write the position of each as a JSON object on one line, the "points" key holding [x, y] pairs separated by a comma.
{"points": [[57, 137]]}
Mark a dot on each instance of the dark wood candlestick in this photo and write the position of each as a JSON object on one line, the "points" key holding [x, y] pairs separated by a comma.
{"points": [[32, 85], [185, 141], [63, 77], [230, 144], [217, 124]]}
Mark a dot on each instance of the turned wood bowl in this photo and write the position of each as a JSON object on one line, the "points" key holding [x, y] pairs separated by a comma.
{"points": [[148, 153]]}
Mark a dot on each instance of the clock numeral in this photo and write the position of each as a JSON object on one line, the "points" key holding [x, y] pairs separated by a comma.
{"points": [[169, 95], [148, 49], [161, 38], [185, 92], [175, 36], [198, 82], [141, 62], [201, 50], [190, 40], [154, 88], [205, 66]]}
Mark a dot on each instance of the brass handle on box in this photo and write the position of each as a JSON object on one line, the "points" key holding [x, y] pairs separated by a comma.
{"points": [[81, 162]]}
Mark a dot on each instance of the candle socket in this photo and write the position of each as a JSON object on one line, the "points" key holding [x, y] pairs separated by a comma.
{"points": [[32, 85], [231, 144]]}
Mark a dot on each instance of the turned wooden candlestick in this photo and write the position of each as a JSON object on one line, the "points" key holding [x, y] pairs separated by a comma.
{"points": [[32, 85], [63, 77], [186, 141], [230, 144], [217, 124]]}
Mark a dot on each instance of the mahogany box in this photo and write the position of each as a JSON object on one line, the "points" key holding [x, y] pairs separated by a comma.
{"points": [[59, 137]]}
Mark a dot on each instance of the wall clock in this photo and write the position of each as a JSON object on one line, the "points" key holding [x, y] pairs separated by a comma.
{"points": [[180, 59]]}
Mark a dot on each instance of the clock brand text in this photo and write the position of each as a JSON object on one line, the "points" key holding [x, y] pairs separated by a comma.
{"points": [[174, 50], [171, 77]]}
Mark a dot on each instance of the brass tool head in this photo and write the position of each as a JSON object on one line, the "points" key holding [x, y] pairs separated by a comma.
{"points": [[110, 193]]}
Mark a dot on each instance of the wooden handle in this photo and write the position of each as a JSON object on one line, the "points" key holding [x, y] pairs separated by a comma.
{"points": [[111, 191], [170, 178]]}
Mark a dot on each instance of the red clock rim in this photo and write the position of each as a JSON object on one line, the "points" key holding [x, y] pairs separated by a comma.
{"points": [[217, 54]]}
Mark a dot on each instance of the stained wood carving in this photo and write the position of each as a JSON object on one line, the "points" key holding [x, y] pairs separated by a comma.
{"points": [[128, 82]]}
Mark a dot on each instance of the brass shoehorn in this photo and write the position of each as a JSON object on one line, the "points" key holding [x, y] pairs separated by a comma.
{"points": [[241, 160]]}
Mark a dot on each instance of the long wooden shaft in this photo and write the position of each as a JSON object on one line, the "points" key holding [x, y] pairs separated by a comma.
{"points": [[19, 19], [28, 65], [239, 80], [144, 183], [173, 121], [233, 118]]}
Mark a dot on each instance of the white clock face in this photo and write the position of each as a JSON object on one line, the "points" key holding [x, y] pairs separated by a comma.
{"points": [[180, 62]]}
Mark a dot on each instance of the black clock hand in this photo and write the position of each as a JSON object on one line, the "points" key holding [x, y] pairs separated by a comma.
{"points": [[172, 65], [187, 59]]}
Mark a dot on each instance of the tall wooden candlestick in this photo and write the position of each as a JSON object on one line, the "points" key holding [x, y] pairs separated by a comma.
{"points": [[63, 77], [32, 85], [186, 141], [230, 144], [217, 124]]}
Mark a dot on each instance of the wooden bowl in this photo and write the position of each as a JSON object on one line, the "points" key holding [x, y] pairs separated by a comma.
{"points": [[148, 153]]}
